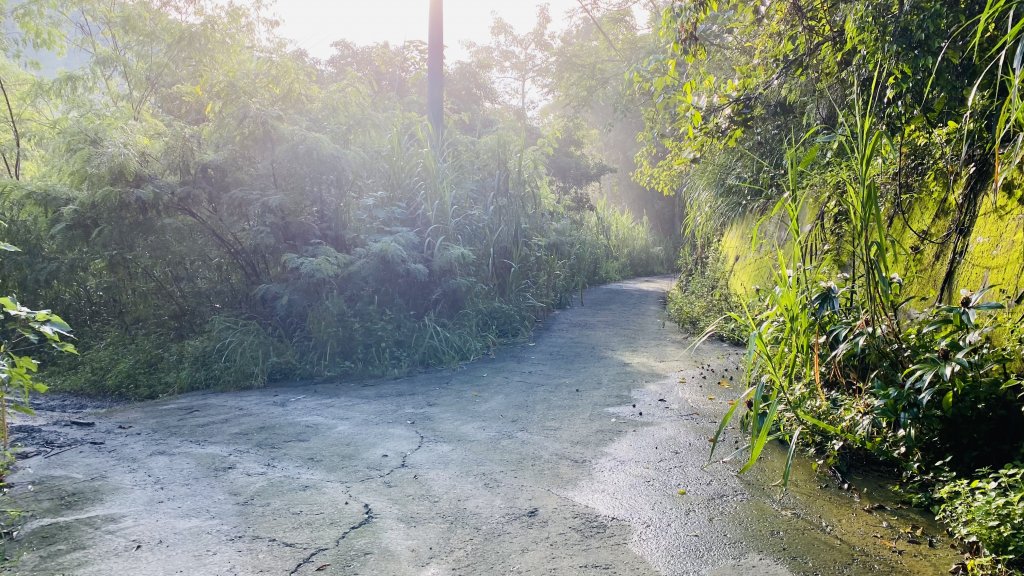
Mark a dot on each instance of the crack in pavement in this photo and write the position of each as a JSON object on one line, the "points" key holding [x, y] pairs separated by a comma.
{"points": [[405, 457], [401, 465], [368, 517]]}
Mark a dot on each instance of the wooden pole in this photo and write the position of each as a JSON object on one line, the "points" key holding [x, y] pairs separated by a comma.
{"points": [[435, 69]]}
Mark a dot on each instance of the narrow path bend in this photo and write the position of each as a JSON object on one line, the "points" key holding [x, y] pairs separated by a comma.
{"points": [[563, 456]]}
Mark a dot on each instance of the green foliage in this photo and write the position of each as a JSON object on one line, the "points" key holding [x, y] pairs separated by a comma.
{"points": [[23, 331], [783, 343], [840, 356], [702, 293], [216, 210], [962, 386], [519, 62], [912, 119], [227, 354], [988, 512]]}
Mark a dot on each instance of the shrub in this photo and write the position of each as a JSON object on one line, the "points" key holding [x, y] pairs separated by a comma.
{"points": [[702, 294], [987, 514]]}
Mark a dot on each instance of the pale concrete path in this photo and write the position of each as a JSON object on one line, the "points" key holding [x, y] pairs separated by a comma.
{"points": [[532, 462]]}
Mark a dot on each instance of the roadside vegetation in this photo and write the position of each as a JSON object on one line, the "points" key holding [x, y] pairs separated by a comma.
{"points": [[853, 213], [838, 183], [211, 208]]}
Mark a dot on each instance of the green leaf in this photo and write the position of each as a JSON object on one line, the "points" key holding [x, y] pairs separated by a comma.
{"points": [[789, 457], [53, 328], [947, 371], [947, 402], [26, 363], [726, 419], [818, 423], [762, 436], [66, 347]]}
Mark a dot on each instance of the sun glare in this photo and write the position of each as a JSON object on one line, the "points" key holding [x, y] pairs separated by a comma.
{"points": [[314, 24]]}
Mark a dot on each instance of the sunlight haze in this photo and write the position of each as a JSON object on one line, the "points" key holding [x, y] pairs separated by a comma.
{"points": [[314, 24], [282, 292]]}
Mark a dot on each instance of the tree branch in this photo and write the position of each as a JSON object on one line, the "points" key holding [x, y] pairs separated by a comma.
{"points": [[16, 172], [600, 28]]}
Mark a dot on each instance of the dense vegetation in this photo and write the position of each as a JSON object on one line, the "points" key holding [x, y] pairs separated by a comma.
{"points": [[871, 149], [209, 207]]}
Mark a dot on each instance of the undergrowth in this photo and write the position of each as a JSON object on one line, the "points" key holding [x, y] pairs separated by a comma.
{"points": [[702, 293], [259, 215], [841, 362], [399, 302]]}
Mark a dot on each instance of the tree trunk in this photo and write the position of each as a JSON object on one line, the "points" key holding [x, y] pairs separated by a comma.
{"points": [[435, 70]]}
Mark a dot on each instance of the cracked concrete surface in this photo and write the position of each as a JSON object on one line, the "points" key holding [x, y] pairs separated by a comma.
{"points": [[367, 518], [562, 456]]}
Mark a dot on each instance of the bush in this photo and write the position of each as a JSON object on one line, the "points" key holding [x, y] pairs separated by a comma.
{"points": [[702, 294], [987, 514], [229, 353]]}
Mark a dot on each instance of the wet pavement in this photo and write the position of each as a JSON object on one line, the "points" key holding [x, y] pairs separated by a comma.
{"points": [[582, 452]]}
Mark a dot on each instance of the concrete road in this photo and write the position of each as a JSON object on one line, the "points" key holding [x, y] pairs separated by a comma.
{"points": [[563, 456]]}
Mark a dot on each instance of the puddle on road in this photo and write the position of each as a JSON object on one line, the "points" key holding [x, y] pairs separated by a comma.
{"points": [[818, 528]]}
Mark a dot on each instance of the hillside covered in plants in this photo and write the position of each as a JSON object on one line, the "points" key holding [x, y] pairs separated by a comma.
{"points": [[853, 212], [210, 207]]}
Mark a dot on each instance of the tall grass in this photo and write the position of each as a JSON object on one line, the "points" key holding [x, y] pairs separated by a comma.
{"points": [[782, 334], [794, 324]]}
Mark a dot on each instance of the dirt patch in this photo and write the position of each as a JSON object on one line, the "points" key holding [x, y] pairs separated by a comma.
{"points": [[60, 422], [70, 404], [566, 455]]}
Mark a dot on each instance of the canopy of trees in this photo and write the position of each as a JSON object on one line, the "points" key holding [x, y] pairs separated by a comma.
{"points": [[210, 207]]}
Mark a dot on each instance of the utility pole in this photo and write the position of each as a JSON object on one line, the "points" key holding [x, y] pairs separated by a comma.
{"points": [[435, 70]]}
